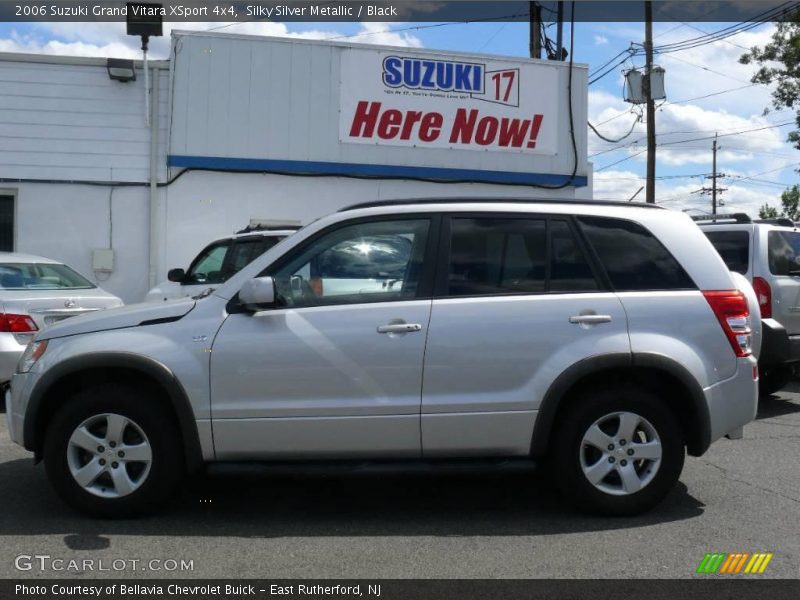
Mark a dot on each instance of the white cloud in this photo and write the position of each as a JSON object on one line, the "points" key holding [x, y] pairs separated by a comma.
{"points": [[600, 40], [110, 40], [684, 193], [379, 33]]}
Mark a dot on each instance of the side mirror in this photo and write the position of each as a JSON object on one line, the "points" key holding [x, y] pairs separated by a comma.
{"points": [[257, 293], [176, 275]]}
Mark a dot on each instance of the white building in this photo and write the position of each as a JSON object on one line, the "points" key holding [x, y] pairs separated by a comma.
{"points": [[249, 127]]}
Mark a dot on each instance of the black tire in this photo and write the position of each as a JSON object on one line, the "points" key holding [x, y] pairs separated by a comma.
{"points": [[566, 456], [773, 380], [151, 415]]}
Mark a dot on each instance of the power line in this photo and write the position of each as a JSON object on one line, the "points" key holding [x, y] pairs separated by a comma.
{"points": [[720, 73], [659, 177], [727, 41], [725, 133], [731, 30], [728, 134], [712, 94], [681, 142], [690, 43], [603, 168]]}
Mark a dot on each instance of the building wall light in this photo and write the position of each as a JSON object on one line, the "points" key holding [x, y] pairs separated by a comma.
{"points": [[121, 69]]}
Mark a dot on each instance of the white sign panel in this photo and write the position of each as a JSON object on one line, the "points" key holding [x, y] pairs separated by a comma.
{"points": [[411, 99]]}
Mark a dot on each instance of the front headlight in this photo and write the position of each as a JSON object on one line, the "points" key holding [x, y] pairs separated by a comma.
{"points": [[33, 352]]}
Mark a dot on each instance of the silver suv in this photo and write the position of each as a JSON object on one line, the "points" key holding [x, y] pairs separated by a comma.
{"points": [[767, 253], [608, 339]]}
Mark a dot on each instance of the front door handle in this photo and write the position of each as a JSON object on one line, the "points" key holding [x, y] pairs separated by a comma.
{"points": [[590, 319], [399, 328]]}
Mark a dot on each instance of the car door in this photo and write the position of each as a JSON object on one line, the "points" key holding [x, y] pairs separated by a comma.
{"points": [[517, 302], [334, 370]]}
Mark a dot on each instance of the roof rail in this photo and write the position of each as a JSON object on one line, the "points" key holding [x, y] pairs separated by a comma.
{"points": [[398, 202], [723, 219], [783, 221], [254, 228]]}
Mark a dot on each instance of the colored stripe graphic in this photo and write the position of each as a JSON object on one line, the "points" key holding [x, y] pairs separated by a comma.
{"points": [[759, 562], [722, 563], [730, 561], [711, 562]]}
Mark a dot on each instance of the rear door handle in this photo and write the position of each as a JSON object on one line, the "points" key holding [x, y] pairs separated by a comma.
{"points": [[399, 328], [590, 319]]}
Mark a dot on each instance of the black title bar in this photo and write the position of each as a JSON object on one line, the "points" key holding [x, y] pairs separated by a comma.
{"points": [[401, 11]]}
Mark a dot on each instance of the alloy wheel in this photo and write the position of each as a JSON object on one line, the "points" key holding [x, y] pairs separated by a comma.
{"points": [[109, 455], [620, 453]]}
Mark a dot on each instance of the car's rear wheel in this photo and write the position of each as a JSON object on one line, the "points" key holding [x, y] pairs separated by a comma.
{"points": [[114, 451], [617, 451]]}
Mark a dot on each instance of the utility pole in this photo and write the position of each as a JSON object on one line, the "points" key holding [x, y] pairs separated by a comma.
{"points": [[560, 31], [650, 195], [714, 176], [535, 14], [714, 190]]}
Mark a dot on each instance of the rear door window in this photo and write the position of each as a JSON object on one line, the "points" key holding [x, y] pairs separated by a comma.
{"points": [[495, 256], [633, 257], [733, 247], [490, 255], [569, 268], [784, 250]]}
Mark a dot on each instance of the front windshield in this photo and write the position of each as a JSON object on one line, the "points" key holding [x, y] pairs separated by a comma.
{"points": [[41, 276]]}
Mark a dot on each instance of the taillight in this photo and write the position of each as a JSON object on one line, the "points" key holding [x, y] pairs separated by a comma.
{"points": [[764, 295], [730, 307], [17, 323]]}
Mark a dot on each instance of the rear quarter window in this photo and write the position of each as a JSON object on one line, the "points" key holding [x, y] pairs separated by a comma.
{"points": [[633, 257], [783, 248], [733, 247]]}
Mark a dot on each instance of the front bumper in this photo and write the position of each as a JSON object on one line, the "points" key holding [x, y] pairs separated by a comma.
{"points": [[732, 403], [13, 420], [16, 399]]}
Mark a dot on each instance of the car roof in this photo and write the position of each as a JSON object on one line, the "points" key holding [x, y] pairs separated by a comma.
{"points": [[256, 233], [526, 202], [18, 257]]}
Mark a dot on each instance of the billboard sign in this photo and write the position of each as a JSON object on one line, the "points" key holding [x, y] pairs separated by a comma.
{"points": [[434, 101]]}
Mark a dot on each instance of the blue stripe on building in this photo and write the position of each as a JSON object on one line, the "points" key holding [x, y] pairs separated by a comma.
{"points": [[302, 167]]}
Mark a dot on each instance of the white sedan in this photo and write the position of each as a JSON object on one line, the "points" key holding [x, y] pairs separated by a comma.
{"points": [[36, 292]]}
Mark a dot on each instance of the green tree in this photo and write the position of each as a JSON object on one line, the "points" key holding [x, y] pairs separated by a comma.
{"points": [[790, 201], [790, 206], [768, 211], [779, 63]]}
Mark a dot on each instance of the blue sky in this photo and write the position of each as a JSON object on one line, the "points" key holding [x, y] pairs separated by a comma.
{"points": [[757, 164]]}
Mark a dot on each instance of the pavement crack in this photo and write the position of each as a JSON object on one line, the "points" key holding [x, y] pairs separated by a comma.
{"points": [[727, 475]]}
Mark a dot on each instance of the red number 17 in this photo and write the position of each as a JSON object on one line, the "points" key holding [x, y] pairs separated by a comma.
{"points": [[509, 77]]}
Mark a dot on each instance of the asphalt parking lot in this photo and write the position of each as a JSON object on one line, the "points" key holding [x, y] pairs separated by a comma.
{"points": [[743, 496]]}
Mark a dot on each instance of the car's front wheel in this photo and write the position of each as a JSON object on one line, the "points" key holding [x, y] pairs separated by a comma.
{"points": [[617, 451], [113, 451]]}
